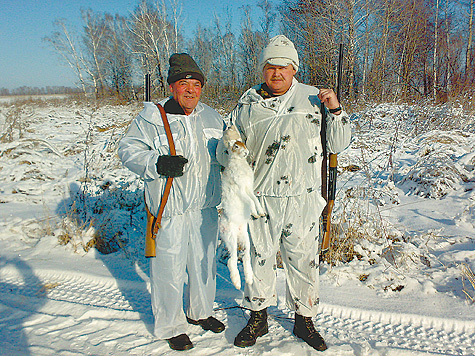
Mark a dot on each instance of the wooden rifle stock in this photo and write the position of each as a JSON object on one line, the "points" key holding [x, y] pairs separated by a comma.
{"points": [[332, 173]]}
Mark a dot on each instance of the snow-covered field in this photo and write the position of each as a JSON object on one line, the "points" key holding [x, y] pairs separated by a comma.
{"points": [[406, 202]]}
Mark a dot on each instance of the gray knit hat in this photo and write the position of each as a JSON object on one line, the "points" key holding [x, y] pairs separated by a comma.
{"points": [[182, 66]]}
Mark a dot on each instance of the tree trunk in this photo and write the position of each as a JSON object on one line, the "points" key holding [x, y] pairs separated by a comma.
{"points": [[469, 42], [436, 39]]}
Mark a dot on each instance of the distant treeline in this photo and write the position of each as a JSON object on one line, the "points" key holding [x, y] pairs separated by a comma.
{"points": [[48, 90], [394, 49]]}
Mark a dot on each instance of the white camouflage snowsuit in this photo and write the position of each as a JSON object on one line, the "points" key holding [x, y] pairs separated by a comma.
{"points": [[186, 242], [283, 136]]}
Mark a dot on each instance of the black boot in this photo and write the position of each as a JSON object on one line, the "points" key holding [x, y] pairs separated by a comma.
{"points": [[256, 326], [180, 343], [210, 323], [305, 330]]}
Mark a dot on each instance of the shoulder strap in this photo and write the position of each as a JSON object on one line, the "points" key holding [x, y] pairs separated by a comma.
{"points": [[171, 144], [158, 219]]}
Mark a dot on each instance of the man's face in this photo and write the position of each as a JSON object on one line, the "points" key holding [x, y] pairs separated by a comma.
{"points": [[187, 93], [278, 79]]}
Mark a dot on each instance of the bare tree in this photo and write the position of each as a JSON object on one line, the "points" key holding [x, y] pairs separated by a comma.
{"points": [[224, 55], [388, 16], [309, 24], [447, 44], [201, 48], [468, 58], [67, 47], [436, 44], [119, 64], [352, 18], [411, 46], [368, 28], [395, 49], [267, 19], [95, 38], [250, 46], [155, 38]]}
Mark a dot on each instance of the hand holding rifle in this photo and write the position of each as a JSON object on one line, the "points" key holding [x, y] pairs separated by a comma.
{"points": [[329, 98]]}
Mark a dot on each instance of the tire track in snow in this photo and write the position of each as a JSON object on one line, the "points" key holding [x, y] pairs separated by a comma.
{"points": [[78, 289], [407, 332], [340, 325]]}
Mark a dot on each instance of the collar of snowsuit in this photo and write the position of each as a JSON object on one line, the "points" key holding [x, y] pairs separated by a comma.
{"points": [[172, 107]]}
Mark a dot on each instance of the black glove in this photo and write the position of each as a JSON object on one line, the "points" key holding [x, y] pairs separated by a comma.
{"points": [[171, 166]]}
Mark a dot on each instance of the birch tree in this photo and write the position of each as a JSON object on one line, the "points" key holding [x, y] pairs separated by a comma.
{"points": [[436, 44], [311, 26], [201, 48], [119, 64], [224, 54], [368, 27], [66, 45], [468, 59], [250, 47], [155, 39], [95, 38], [448, 68], [352, 19]]}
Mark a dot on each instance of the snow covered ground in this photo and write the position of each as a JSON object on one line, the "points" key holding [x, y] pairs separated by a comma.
{"points": [[406, 198]]}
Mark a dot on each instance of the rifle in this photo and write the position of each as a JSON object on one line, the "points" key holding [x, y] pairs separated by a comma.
{"points": [[147, 87], [329, 191]]}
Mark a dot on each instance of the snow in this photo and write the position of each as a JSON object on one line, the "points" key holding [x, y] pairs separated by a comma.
{"points": [[405, 192]]}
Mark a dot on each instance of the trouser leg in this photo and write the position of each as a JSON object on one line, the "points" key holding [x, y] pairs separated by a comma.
{"points": [[264, 245], [299, 249], [293, 227], [167, 276], [201, 265]]}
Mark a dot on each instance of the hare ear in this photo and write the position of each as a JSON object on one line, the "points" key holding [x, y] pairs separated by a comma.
{"points": [[232, 133]]}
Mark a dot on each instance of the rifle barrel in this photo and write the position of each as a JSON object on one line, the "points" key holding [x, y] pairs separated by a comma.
{"points": [[147, 87], [339, 71]]}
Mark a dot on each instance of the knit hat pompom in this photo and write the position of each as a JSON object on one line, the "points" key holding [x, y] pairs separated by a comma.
{"points": [[182, 66], [280, 52]]}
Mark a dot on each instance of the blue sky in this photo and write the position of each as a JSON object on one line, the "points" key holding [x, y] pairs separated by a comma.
{"points": [[25, 60]]}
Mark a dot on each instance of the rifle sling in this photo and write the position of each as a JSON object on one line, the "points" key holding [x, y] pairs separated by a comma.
{"points": [[158, 219]]}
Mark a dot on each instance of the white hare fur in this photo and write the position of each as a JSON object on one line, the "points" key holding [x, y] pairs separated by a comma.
{"points": [[238, 204]]}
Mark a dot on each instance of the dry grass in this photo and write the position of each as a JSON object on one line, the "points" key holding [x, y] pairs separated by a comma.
{"points": [[79, 235], [14, 128], [84, 235], [358, 220], [45, 288], [112, 127], [468, 288], [342, 244]]}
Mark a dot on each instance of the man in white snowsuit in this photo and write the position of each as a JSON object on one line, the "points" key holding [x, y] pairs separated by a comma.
{"points": [[186, 241], [279, 122]]}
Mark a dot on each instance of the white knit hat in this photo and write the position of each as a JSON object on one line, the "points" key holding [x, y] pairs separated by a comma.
{"points": [[280, 52]]}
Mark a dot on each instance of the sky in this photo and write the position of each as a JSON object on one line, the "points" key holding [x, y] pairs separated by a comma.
{"points": [[26, 60]]}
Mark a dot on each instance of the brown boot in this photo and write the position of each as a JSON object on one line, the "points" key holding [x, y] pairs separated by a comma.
{"points": [[305, 330], [256, 326]]}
